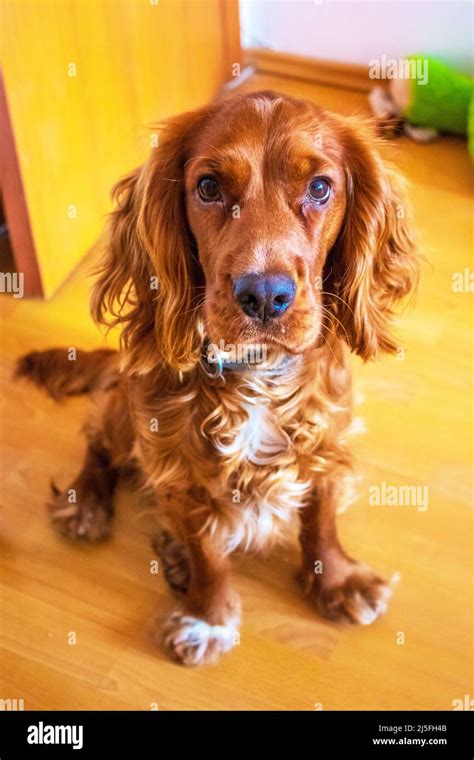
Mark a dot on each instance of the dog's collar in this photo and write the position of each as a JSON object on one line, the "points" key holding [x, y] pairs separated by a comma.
{"points": [[215, 362]]}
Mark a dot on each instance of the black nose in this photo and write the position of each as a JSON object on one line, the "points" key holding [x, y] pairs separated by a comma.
{"points": [[264, 296]]}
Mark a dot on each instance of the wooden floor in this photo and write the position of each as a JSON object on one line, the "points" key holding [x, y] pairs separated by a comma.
{"points": [[418, 418]]}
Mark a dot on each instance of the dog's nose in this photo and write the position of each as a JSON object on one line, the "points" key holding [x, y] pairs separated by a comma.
{"points": [[264, 296]]}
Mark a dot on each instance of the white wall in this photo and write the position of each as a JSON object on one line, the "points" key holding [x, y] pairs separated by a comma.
{"points": [[355, 32]]}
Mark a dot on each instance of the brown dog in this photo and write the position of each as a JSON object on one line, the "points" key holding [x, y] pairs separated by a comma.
{"points": [[261, 241]]}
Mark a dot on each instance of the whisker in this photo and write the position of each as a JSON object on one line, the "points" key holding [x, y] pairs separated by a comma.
{"points": [[327, 293], [332, 316], [330, 348]]}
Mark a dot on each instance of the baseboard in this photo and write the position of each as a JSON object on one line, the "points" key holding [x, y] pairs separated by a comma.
{"points": [[346, 75]]}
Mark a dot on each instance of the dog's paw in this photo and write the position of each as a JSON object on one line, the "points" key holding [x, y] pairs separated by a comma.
{"points": [[360, 597], [88, 519], [191, 641], [174, 560]]}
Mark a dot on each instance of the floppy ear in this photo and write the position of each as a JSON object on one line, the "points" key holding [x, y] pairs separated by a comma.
{"points": [[373, 263], [150, 277]]}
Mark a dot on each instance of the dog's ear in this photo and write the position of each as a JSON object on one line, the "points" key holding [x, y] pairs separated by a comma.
{"points": [[150, 277], [373, 264]]}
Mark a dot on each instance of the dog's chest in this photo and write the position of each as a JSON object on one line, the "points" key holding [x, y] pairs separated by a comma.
{"points": [[260, 487], [258, 439]]}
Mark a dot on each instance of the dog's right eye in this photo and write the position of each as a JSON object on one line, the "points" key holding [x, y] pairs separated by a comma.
{"points": [[319, 190], [209, 190]]}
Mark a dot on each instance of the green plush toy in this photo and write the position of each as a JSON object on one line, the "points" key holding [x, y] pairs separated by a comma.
{"points": [[431, 97]]}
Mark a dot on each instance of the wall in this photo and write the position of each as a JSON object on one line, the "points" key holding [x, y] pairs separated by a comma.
{"points": [[355, 32]]}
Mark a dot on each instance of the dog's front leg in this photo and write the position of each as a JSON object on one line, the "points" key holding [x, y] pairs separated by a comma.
{"points": [[208, 624], [343, 588]]}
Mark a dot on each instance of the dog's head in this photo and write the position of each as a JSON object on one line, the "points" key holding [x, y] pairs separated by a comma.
{"points": [[259, 219]]}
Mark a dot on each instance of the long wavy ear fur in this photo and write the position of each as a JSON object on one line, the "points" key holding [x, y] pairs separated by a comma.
{"points": [[149, 279], [374, 263]]}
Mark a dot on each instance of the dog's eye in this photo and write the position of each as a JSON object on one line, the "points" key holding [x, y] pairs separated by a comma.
{"points": [[319, 190], [209, 190]]}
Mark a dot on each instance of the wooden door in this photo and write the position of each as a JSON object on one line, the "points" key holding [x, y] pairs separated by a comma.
{"points": [[83, 80]]}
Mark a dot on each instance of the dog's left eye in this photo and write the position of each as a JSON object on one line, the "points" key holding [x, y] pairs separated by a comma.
{"points": [[319, 190], [209, 190]]}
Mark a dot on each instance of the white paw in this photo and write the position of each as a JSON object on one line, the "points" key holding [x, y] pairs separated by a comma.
{"points": [[194, 642], [364, 612]]}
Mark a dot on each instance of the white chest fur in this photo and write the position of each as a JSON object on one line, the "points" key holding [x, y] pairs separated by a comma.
{"points": [[261, 487], [258, 439]]}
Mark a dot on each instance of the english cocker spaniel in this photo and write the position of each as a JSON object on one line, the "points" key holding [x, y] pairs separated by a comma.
{"points": [[263, 240]]}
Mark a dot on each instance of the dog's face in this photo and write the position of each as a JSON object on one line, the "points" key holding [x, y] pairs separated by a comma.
{"points": [[265, 200], [262, 219]]}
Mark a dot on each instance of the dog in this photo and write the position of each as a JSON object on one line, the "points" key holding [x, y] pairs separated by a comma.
{"points": [[263, 241]]}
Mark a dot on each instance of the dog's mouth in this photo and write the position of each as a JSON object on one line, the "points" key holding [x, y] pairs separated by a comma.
{"points": [[245, 339], [266, 348], [256, 347]]}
